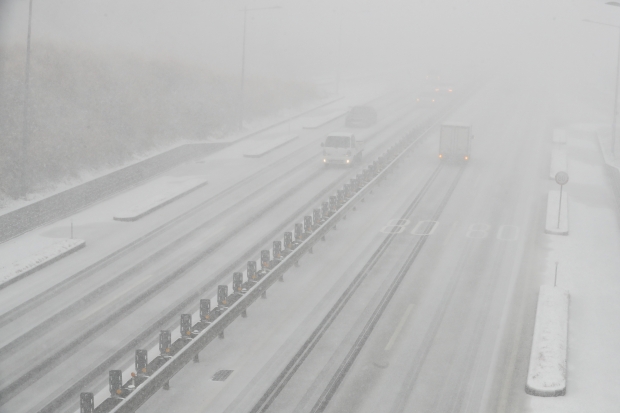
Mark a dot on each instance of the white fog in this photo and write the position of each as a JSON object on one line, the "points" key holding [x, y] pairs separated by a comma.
{"points": [[309, 206]]}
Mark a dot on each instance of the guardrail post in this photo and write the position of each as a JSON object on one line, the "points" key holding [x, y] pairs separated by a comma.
{"points": [[265, 260], [251, 272], [340, 196], [205, 309], [347, 191], [277, 256], [288, 242], [115, 383], [87, 403], [165, 340], [316, 218], [237, 282], [277, 251], [222, 295], [307, 226], [298, 234], [333, 204], [186, 326], [142, 360]]}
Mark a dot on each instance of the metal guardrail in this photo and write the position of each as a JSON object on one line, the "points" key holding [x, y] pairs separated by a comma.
{"points": [[129, 397]]}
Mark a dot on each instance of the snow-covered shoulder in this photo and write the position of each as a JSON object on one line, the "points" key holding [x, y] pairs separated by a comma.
{"points": [[547, 370]]}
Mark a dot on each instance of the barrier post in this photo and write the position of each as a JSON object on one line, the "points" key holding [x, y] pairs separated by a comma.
{"points": [[205, 309], [115, 383], [87, 403], [186, 326]]}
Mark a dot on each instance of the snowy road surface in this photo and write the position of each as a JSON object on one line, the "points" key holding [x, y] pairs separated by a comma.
{"points": [[447, 339], [442, 320], [66, 332]]}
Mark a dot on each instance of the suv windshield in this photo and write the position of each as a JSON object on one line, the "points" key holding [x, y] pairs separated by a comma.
{"points": [[337, 141]]}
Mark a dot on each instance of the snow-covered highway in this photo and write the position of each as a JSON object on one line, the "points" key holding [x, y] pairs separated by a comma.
{"points": [[451, 337], [104, 311]]}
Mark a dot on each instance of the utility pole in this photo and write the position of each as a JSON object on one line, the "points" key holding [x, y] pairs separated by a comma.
{"points": [[613, 126], [23, 160], [242, 97]]}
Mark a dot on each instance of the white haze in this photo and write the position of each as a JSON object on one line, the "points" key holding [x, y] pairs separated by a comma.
{"points": [[300, 40]]}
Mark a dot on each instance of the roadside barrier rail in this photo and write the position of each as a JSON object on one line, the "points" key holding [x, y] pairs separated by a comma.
{"points": [[150, 377]]}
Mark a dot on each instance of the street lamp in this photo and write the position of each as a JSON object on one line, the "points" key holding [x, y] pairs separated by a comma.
{"points": [[613, 123], [23, 159], [242, 97]]}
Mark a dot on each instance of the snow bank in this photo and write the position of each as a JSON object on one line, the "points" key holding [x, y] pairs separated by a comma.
{"points": [[558, 160], [553, 207], [269, 146], [25, 266], [166, 191], [559, 136], [547, 372]]}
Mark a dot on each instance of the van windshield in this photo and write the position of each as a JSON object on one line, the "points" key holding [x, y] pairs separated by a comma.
{"points": [[337, 141]]}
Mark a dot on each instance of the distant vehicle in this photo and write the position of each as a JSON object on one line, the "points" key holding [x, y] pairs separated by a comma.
{"points": [[361, 116], [455, 141], [433, 77], [443, 89], [426, 97], [342, 148]]}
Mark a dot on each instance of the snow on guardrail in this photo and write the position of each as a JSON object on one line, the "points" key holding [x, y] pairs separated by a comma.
{"points": [[166, 190], [26, 266], [547, 371]]}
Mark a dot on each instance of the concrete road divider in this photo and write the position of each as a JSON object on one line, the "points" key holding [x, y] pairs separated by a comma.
{"points": [[26, 266], [264, 147], [167, 190], [546, 376], [558, 160], [553, 225], [559, 136], [322, 120]]}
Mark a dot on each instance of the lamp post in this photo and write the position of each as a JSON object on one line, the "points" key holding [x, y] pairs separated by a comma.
{"points": [[613, 122], [242, 97], [23, 159]]}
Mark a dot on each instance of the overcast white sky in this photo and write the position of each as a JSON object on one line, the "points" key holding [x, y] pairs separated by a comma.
{"points": [[300, 40]]}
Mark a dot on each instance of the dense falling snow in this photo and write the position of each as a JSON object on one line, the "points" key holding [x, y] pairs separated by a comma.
{"points": [[309, 206]]}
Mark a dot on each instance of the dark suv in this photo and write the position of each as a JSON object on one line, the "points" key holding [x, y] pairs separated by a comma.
{"points": [[361, 116]]}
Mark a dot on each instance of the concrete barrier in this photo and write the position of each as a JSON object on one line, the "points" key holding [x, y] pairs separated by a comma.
{"points": [[559, 136], [265, 147], [558, 160], [546, 375], [75, 199], [26, 266], [167, 190]]}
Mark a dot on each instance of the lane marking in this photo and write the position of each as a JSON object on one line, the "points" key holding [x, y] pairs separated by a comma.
{"points": [[450, 233], [478, 231], [399, 327], [113, 297], [424, 225], [501, 233]]}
